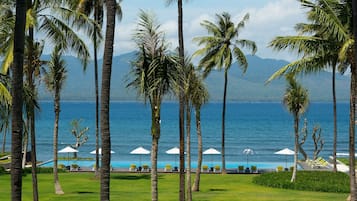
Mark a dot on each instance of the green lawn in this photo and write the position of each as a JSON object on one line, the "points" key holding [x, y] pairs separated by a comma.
{"points": [[125, 186]]}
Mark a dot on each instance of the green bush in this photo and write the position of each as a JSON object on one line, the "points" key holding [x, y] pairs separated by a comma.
{"points": [[40, 170], [322, 181], [2, 170]]}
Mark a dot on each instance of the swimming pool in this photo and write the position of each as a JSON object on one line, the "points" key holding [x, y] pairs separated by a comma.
{"points": [[161, 164]]}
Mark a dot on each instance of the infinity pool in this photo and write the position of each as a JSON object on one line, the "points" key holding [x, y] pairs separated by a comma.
{"points": [[161, 164]]}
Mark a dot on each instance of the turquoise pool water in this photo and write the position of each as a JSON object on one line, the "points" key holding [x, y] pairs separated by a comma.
{"points": [[161, 164]]}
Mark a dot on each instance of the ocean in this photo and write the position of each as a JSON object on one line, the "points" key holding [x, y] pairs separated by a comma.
{"points": [[265, 127]]}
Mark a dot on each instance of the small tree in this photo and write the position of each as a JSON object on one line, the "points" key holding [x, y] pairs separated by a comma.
{"points": [[79, 133], [318, 141]]}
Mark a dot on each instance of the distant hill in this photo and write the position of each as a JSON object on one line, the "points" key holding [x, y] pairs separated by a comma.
{"points": [[248, 87]]}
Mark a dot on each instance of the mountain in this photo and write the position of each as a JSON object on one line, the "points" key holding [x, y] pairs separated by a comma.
{"points": [[250, 86]]}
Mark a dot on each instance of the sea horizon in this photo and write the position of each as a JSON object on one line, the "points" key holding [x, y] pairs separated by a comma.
{"points": [[265, 127]]}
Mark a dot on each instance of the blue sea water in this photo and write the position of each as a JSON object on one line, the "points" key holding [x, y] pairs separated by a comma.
{"points": [[263, 127]]}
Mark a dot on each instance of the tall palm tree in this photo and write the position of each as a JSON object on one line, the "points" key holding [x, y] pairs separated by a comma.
{"points": [[353, 194], [320, 51], [17, 84], [188, 84], [181, 49], [105, 100], [54, 79], [219, 49], [154, 73], [96, 8], [296, 101], [198, 96]]}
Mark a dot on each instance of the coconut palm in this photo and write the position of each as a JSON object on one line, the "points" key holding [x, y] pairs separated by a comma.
{"points": [[154, 73], [218, 52], [16, 110], [97, 9], [54, 79], [335, 16], [105, 100], [296, 102], [198, 96], [320, 51], [181, 49]]}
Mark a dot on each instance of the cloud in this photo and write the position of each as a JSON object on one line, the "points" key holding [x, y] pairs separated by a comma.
{"points": [[268, 20]]}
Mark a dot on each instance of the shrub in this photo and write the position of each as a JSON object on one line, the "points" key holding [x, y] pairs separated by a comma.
{"points": [[322, 181], [2, 170], [41, 170]]}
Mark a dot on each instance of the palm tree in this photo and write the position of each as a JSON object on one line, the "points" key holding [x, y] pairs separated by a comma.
{"points": [[17, 84], [105, 101], [189, 78], [32, 67], [154, 75], [54, 79], [220, 47], [296, 101], [199, 96], [97, 8], [181, 49], [353, 99], [320, 51]]}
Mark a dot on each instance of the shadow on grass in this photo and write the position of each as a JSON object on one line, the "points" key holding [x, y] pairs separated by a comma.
{"points": [[131, 177], [84, 192], [217, 189]]}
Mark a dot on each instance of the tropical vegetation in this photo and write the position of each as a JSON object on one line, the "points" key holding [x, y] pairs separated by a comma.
{"points": [[155, 73], [220, 48], [326, 41]]}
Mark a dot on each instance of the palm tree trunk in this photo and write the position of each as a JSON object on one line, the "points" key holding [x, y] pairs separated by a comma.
{"points": [[352, 138], [24, 146], [31, 117], [334, 118], [196, 184], [296, 130], [105, 101], [224, 121], [96, 93], [17, 101], [58, 188], [181, 104], [188, 152], [353, 191], [155, 132]]}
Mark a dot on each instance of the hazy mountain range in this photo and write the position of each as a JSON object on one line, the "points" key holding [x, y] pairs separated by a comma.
{"points": [[248, 87]]}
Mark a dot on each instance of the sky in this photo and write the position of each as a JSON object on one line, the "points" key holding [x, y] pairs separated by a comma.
{"points": [[268, 19]]}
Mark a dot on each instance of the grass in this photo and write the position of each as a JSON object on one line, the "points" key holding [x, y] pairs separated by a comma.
{"points": [[133, 186], [324, 181]]}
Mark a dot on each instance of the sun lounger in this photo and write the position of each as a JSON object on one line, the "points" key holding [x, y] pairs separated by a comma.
{"points": [[132, 168], [254, 169], [279, 168], [168, 168], [205, 168], [217, 168], [241, 169], [145, 168]]}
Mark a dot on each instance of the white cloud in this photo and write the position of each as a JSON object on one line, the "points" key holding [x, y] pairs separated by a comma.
{"points": [[268, 19]]}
